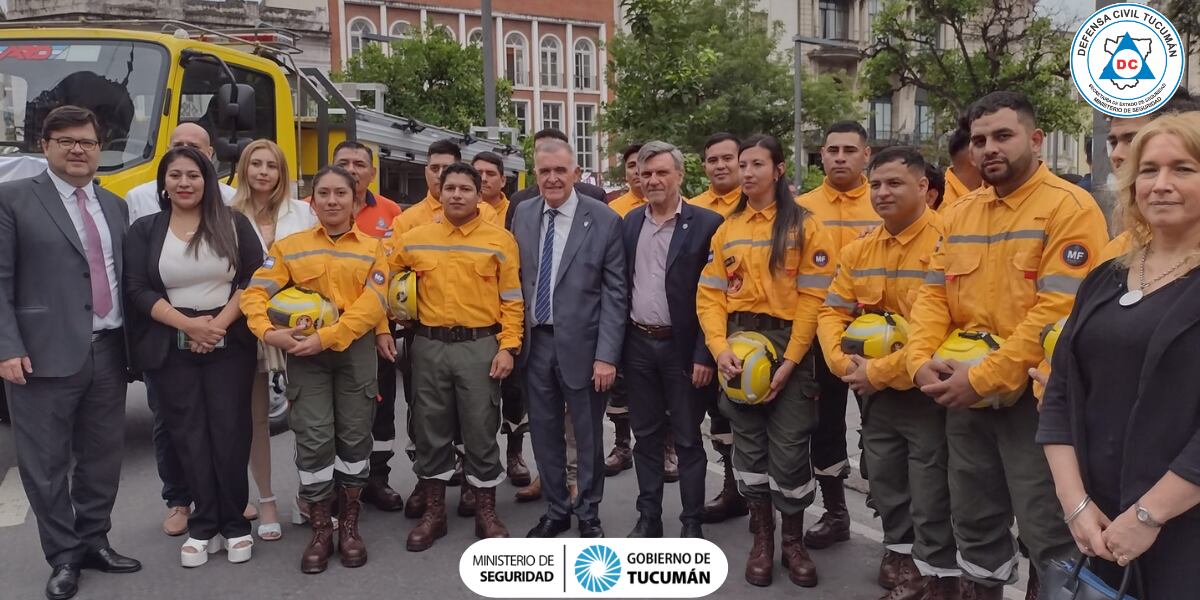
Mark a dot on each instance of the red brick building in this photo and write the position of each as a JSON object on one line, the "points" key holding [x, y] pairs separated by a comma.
{"points": [[551, 50]]}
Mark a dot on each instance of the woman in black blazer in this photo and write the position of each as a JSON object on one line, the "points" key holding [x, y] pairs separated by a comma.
{"points": [[185, 271], [1121, 417]]}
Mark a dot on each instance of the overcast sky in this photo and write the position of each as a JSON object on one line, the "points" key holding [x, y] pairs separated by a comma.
{"points": [[1073, 12]]}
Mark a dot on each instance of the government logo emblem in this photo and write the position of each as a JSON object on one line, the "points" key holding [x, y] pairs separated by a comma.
{"points": [[1127, 60], [597, 568]]}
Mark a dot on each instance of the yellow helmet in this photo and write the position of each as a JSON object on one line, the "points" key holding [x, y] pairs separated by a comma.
{"points": [[402, 296], [970, 348], [298, 307], [1050, 337], [759, 359], [875, 335]]}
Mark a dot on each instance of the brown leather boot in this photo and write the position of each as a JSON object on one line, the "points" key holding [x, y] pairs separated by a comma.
{"points": [[943, 588], [760, 564], [621, 457], [415, 507], [320, 547], [670, 460], [969, 590], [894, 568], [466, 500], [433, 521], [729, 503], [531, 492], [487, 524], [518, 471], [801, 569], [350, 542], [834, 525], [914, 588], [378, 493]]}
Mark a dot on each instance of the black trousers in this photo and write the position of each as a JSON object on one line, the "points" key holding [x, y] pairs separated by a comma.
{"points": [[829, 457], [662, 400], [383, 430], [205, 401], [513, 418], [170, 469], [548, 397], [69, 433]]}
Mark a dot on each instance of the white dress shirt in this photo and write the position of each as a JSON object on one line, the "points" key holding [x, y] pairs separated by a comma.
{"points": [[562, 228], [293, 216], [143, 199], [66, 192]]}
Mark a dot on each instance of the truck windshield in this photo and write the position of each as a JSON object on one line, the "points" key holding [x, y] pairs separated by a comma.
{"points": [[123, 82]]}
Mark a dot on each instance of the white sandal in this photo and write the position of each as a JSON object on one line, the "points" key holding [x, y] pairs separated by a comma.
{"points": [[270, 532], [239, 554], [200, 551]]}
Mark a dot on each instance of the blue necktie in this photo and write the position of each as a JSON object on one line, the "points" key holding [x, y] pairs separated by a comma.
{"points": [[541, 305]]}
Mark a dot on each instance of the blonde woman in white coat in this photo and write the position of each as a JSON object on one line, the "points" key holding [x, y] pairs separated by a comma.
{"points": [[263, 195]]}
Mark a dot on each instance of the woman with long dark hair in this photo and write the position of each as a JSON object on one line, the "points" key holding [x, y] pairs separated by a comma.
{"points": [[185, 271], [767, 274]]}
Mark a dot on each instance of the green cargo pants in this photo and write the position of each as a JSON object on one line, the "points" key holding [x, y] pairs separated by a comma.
{"points": [[997, 471], [333, 397], [771, 457], [904, 445], [452, 389]]}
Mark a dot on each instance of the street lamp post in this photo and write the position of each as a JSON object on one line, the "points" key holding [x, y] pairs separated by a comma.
{"points": [[489, 63], [798, 121]]}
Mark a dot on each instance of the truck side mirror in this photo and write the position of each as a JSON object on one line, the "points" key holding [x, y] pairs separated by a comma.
{"points": [[239, 115]]}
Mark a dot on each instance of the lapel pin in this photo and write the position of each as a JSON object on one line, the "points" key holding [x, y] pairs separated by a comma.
{"points": [[586, 223], [685, 225]]}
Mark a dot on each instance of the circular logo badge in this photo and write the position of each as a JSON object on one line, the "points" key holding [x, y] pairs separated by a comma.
{"points": [[597, 568], [1075, 255], [1127, 60], [820, 258]]}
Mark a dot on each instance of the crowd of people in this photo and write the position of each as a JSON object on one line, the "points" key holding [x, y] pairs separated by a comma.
{"points": [[544, 313]]}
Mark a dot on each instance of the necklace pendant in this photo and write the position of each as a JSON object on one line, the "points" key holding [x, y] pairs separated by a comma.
{"points": [[1130, 298]]}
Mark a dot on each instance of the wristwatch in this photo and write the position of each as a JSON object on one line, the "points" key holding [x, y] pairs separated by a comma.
{"points": [[1144, 517]]}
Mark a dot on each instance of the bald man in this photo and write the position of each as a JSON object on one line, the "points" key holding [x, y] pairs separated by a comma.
{"points": [[143, 199]]}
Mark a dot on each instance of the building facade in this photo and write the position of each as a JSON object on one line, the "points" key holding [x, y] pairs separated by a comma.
{"points": [[308, 18], [551, 51]]}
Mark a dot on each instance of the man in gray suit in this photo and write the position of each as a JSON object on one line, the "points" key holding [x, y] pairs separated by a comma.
{"points": [[573, 273], [64, 364]]}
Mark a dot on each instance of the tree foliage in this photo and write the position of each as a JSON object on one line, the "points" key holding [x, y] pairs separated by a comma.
{"points": [[431, 78], [960, 50], [827, 98], [689, 68], [1185, 15]]}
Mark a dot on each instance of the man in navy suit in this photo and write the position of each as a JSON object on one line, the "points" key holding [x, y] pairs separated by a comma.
{"points": [[665, 359], [573, 277]]}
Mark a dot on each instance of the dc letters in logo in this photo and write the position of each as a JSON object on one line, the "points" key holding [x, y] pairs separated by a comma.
{"points": [[1127, 60]]}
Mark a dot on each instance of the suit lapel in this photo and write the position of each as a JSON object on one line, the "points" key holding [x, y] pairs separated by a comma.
{"points": [[682, 226], [52, 202], [580, 226], [525, 227]]}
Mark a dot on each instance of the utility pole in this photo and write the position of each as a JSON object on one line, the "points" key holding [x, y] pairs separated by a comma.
{"points": [[1101, 167], [489, 63], [798, 125]]}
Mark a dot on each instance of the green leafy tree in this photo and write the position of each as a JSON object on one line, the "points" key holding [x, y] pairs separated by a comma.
{"points": [[689, 68], [1185, 15], [960, 50], [827, 98], [431, 78]]}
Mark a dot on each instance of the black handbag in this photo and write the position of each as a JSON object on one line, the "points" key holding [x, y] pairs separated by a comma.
{"points": [[1072, 580]]}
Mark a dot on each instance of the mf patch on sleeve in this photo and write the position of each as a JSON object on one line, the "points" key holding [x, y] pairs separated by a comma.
{"points": [[1076, 255]]}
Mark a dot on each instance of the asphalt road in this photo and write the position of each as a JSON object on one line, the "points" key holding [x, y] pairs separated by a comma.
{"points": [[846, 571]]}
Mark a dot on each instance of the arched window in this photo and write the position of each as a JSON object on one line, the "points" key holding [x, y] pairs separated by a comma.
{"points": [[475, 38], [359, 26], [585, 64], [551, 64], [516, 62], [400, 29]]}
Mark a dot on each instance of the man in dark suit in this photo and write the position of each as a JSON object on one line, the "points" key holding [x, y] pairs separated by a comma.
{"points": [[573, 273], [665, 359], [64, 363]]}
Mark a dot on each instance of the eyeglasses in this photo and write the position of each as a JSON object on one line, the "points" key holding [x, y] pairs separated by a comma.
{"points": [[67, 143]]}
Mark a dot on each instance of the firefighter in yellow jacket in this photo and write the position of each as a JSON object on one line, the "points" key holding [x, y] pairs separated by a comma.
{"points": [[767, 274], [634, 197], [331, 373], [470, 315], [904, 431], [1013, 256], [842, 204]]}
